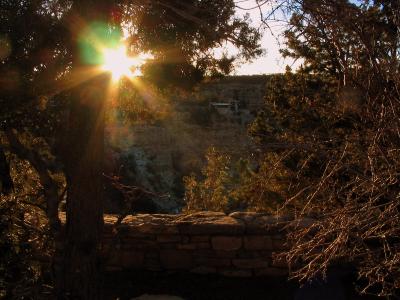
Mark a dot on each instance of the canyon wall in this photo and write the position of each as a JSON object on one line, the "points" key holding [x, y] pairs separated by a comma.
{"points": [[157, 156]]}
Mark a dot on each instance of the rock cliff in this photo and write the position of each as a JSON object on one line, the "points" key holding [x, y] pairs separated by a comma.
{"points": [[157, 156]]}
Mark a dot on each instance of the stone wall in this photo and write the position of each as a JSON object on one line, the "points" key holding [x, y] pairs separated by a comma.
{"points": [[238, 245]]}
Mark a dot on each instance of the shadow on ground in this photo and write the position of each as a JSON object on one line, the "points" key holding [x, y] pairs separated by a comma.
{"points": [[128, 285]]}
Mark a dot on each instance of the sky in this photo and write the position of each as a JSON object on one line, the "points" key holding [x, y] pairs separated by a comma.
{"points": [[272, 61]]}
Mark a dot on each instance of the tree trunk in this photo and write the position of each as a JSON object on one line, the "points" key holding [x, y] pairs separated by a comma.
{"points": [[84, 223], [80, 274], [6, 183]]}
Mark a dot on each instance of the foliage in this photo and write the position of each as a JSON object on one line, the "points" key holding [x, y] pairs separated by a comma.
{"points": [[137, 106], [284, 132], [227, 186], [17, 271], [347, 173], [25, 245], [299, 122], [211, 194], [182, 35]]}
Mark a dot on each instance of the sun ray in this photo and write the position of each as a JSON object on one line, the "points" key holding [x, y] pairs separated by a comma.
{"points": [[119, 64]]}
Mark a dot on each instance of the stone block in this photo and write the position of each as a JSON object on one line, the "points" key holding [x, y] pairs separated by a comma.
{"points": [[225, 254], [204, 270], [266, 253], [206, 223], [226, 243], [191, 246], [203, 245], [199, 238], [168, 245], [250, 254], [152, 264], [176, 259], [168, 238], [113, 268], [265, 225], [151, 224], [248, 218], [130, 235], [213, 262], [235, 273], [249, 263], [152, 254], [257, 229], [204, 253], [131, 259], [145, 245], [279, 244], [271, 272], [106, 248], [258, 242]]}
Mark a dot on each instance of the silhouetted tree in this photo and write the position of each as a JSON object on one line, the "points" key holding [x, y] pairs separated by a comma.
{"points": [[42, 60], [347, 176]]}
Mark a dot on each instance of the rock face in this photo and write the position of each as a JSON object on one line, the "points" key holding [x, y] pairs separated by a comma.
{"points": [[157, 156], [247, 91], [236, 245]]}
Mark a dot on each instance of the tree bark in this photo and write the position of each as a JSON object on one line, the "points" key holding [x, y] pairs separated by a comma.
{"points": [[79, 273], [6, 182], [84, 166]]}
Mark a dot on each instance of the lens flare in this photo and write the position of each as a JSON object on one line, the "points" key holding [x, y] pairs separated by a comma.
{"points": [[119, 64]]}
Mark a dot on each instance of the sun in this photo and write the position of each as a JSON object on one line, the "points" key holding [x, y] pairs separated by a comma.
{"points": [[119, 64]]}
